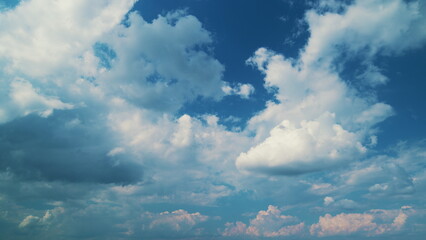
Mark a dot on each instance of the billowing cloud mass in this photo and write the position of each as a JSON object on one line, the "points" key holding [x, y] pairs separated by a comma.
{"points": [[122, 119], [319, 119], [269, 223], [360, 223]]}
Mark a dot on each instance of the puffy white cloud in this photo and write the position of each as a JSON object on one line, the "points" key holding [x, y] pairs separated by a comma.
{"points": [[243, 90], [42, 36], [370, 26], [183, 136], [234, 229], [314, 120], [45, 48], [360, 223], [343, 224], [346, 204], [179, 220], [24, 99], [292, 150], [320, 121], [162, 65], [200, 149], [269, 223], [328, 201], [123, 82]]}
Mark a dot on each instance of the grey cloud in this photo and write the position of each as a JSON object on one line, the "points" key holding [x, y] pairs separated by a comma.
{"points": [[52, 149]]}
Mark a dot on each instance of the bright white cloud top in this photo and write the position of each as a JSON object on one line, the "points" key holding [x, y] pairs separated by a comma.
{"points": [[121, 123]]}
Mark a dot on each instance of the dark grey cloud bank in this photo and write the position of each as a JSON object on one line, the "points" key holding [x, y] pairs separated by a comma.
{"points": [[68, 146]]}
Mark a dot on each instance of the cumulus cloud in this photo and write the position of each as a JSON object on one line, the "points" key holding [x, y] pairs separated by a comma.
{"points": [[89, 112], [62, 32], [346, 204], [328, 201], [107, 90], [293, 150], [152, 76], [242, 90], [360, 223], [200, 149], [269, 223], [179, 220], [319, 121], [34, 221], [24, 99]]}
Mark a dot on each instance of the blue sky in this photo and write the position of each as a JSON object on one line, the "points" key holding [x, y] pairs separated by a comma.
{"points": [[212, 119]]}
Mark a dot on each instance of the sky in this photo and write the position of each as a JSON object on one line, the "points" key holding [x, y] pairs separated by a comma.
{"points": [[212, 119]]}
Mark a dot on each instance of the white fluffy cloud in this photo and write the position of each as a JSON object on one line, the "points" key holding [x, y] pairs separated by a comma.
{"points": [[179, 220], [23, 99], [360, 223], [124, 82], [370, 26], [292, 150], [43, 45], [320, 121], [199, 149], [242, 90], [43, 36], [269, 223], [161, 65]]}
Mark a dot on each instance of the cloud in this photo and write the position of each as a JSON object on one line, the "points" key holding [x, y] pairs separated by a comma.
{"points": [[108, 103], [152, 76], [91, 123], [369, 27], [319, 120], [387, 176], [179, 220], [328, 201], [346, 204], [242, 90], [33, 221], [269, 223], [359, 223], [53, 149], [199, 148], [293, 150], [24, 100], [63, 31]]}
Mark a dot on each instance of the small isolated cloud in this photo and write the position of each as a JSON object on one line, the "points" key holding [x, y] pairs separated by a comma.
{"points": [[328, 201], [360, 223], [346, 204], [269, 223], [242, 90]]}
